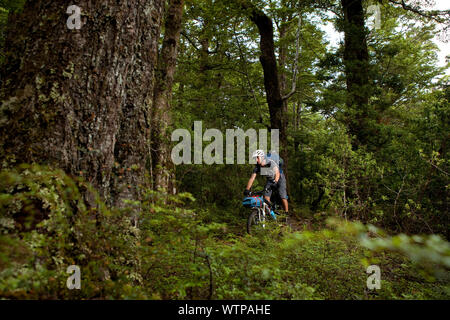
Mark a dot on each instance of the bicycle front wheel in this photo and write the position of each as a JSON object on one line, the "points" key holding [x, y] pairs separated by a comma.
{"points": [[256, 222]]}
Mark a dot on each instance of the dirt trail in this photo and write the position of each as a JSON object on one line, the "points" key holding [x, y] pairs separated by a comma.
{"points": [[298, 224]]}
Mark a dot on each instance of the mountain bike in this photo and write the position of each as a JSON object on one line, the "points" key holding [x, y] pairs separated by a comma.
{"points": [[260, 210]]}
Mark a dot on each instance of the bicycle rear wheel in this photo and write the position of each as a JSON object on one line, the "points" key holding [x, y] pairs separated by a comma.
{"points": [[256, 222]]}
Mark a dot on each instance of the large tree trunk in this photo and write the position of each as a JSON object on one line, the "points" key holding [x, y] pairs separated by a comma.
{"points": [[79, 99], [269, 64], [270, 69], [356, 61], [271, 79], [161, 116]]}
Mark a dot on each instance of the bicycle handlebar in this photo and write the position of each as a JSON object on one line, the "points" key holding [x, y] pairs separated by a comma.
{"points": [[256, 193]]}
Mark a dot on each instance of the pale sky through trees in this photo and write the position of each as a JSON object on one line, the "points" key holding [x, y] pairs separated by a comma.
{"points": [[335, 37]]}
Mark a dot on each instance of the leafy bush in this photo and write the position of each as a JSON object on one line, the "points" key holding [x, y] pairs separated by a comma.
{"points": [[46, 226], [44, 216], [175, 250]]}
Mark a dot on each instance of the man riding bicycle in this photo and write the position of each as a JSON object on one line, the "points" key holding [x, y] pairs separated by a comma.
{"points": [[276, 180]]}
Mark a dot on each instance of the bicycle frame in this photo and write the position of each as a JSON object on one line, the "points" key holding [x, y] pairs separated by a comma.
{"points": [[262, 211], [259, 216]]}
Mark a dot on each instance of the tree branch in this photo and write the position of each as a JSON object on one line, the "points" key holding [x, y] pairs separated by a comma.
{"points": [[244, 64], [184, 34], [196, 48], [440, 16]]}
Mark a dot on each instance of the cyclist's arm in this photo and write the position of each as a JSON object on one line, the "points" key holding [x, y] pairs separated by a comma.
{"points": [[251, 180], [277, 174]]}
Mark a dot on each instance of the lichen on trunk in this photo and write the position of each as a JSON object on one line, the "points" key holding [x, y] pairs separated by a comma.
{"points": [[79, 99]]}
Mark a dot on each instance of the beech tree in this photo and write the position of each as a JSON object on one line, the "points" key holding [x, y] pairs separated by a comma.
{"points": [[80, 99], [161, 116]]}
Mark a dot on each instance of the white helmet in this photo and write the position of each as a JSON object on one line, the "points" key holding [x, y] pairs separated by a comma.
{"points": [[258, 153]]}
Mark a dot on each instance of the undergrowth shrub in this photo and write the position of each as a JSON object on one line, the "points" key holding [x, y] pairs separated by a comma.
{"points": [[177, 251], [45, 227], [44, 217]]}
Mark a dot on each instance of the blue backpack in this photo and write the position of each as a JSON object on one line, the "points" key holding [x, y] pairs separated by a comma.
{"points": [[273, 155], [253, 202]]}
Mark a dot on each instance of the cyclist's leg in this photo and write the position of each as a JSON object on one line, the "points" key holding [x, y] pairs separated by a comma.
{"points": [[283, 193], [267, 191], [284, 202]]}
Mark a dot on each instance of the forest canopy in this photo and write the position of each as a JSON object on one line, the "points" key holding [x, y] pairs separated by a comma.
{"points": [[93, 97]]}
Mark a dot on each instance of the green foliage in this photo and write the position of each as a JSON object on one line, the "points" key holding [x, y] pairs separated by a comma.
{"points": [[174, 264], [293, 266], [7, 6], [390, 181], [329, 264], [3, 23], [429, 255], [172, 253], [44, 216], [12, 5], [193, 245], [327, 165]]}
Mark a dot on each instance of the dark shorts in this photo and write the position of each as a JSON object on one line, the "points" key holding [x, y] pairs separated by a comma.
{"points": [[281, 187]]}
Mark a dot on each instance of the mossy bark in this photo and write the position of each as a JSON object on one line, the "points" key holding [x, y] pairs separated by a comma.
{"points": [[161, 113], [80, 99]]}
